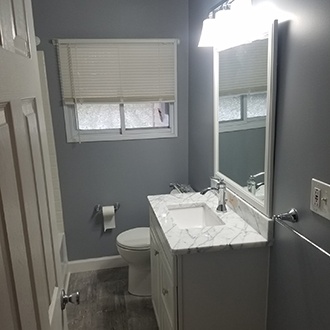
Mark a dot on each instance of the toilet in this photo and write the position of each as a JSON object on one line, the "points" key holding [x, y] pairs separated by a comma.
{"points": [[134, 247]]}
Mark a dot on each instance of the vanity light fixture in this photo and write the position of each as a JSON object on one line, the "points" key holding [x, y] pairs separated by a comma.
{"points": [[223, 27], [209, 31], [212, 25]]}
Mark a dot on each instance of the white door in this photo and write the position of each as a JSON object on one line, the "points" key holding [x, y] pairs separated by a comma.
{"points": [[30, 272]]}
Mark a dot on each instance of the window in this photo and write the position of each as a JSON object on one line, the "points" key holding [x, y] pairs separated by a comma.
{"points": [[245, 111], [118, 89], [243, 86]]}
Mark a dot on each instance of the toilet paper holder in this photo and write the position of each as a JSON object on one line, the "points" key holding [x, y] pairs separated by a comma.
{"points": [[98, 207]]}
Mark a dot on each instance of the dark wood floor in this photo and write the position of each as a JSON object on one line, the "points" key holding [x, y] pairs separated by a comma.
{"points": [[106, 304]]}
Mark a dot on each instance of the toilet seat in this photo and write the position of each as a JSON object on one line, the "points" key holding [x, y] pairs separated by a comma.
{"points": [[135, 239]]}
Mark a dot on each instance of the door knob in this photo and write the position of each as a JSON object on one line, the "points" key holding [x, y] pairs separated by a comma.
{"points": [[164, 292], [73, 298]]}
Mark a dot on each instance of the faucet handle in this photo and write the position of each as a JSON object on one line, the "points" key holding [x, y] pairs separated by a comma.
{"points": [[216, 182], [253, 176]]}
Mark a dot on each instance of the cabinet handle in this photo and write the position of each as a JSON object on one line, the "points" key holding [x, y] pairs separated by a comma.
{"points": [[156, 252], [164, 292]]}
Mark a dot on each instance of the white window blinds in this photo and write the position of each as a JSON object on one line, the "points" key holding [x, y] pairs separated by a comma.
{"points": [[243, 69], [119, 71]]}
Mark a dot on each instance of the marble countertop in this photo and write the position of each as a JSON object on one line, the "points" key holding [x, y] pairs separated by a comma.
{"points": [[235, 233]]}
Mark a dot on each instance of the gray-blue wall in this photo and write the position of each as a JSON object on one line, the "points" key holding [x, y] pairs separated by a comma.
{"points": [[104, 172], [108, 172], [299, 287], [299, 277], [200, 99], [242, 153]]}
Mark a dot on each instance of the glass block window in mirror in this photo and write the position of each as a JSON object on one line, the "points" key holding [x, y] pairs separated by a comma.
{"points": [[241, 112], [256, 105], [230, 108]]}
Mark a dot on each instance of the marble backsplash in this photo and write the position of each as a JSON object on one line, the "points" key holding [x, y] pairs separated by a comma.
{"points": [[258, 221]]}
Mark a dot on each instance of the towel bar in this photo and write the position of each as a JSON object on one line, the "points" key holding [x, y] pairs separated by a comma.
{"points": [[292, 216]]}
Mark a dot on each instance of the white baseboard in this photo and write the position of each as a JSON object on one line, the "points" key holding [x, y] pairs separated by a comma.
{"points": [[86, 265]]}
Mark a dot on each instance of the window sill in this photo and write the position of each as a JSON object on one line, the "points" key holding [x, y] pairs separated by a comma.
{"points": [[242, 125], [98, 136]]}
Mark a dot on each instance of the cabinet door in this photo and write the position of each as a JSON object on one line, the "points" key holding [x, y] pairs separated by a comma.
{"points": [[163, 282], [155, 274], [168, 293]]}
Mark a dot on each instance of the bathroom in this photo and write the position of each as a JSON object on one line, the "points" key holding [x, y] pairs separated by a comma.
{"points": [[128, 171]]}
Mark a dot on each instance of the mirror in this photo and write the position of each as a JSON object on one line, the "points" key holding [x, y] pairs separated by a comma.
{"points": [[244, 113]]}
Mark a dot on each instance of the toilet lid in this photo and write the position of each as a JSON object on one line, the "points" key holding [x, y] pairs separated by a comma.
{"points": [[136, 238]]}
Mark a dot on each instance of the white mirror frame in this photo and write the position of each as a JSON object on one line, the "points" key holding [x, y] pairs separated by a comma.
{"points": [[266, 206]]}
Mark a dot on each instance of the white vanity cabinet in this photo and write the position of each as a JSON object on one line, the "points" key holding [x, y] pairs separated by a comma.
{"points": [[163, 279], [220, 290]]}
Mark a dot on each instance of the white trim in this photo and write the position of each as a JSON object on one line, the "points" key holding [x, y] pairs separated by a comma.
{"points": [[64, 261], [66, 282], [215, 110], [86, 265], [266, 206], [270, 136], [239, 125], [60, 227]]}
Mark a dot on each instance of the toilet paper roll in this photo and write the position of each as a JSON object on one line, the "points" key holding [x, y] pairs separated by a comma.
{"points": [[109, 220]]}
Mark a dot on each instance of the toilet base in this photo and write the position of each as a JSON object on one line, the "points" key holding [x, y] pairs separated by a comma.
{"points": [[139, 281], [134, 247]]}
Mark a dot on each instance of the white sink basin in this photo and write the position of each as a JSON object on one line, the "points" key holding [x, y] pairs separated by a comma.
{"points": [[194, 216]]}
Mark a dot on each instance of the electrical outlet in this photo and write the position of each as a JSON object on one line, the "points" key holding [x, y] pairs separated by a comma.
{"points": [[319, 202], [316, 197]]}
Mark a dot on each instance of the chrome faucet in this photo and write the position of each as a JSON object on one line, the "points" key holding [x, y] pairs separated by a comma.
{"points": [[219, 186], [252, 185]]}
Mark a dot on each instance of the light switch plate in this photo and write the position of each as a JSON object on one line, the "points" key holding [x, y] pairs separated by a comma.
{"points": [[319, 201]]}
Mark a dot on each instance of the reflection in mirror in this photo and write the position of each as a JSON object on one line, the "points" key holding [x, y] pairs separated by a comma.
{"points": [[244, 108], [242, 112]]}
